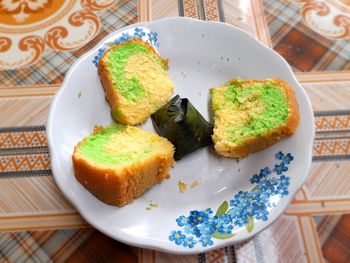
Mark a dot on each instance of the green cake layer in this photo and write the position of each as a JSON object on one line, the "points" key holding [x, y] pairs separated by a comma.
{"points": [[131, 88], [135, 80], [246, 109], [118, 145]]}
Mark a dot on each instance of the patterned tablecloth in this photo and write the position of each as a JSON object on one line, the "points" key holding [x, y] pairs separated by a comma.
{"points": [[39, 41]]}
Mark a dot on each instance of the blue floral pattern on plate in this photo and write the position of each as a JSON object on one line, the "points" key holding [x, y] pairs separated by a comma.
{"points": [[203, 226], [139, 32]]}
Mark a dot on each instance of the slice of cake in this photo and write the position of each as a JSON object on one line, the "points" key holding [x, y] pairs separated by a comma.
{"points": [[135, 81], [118, 163], [251, 115]]}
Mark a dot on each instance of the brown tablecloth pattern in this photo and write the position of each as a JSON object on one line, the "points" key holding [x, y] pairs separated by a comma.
{"points": [[38, 224]]}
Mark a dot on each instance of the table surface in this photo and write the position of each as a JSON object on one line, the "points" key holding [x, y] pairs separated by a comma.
{"points": [[39, 43]]}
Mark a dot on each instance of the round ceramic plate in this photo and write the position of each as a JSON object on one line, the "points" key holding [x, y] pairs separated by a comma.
{"points": [[225, 200]]}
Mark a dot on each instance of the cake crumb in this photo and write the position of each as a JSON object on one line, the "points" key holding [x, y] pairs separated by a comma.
{"points": [[200, 93], [194, 184], [151, 205], [182, 186], [173, 164], [79, 94]]}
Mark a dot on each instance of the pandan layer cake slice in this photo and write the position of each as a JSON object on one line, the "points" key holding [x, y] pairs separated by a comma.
{"points": [[135, 81], [118, 163], [251, 115]]}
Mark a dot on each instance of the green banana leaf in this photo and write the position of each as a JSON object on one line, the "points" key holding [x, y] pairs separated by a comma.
{"points": [[181, 123]]}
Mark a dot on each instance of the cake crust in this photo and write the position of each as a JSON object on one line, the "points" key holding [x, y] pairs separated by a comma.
{"points": [[121, 186], [257, 143]]}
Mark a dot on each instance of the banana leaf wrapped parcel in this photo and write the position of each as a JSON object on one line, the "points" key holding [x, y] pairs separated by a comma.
{"points": [[181, 123]]}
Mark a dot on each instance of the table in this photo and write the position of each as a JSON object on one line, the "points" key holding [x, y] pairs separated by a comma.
{"points": [[39, 43]]}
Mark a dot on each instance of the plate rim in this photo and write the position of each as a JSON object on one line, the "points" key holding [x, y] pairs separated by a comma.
{"points": [[153, 245]]}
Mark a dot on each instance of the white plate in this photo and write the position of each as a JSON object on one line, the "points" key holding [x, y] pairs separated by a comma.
{"points": [[201, 55]]}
